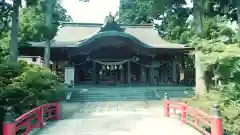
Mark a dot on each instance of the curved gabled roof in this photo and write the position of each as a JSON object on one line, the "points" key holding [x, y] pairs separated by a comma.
{"points": [[83, 33]]}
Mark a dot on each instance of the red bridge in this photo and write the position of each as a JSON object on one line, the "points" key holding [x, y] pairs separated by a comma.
{"points": [[131, 117]]}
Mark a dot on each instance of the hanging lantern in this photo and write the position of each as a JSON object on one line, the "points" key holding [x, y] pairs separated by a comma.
{"points": [[107, 67], [115, 67], [120, 67]]}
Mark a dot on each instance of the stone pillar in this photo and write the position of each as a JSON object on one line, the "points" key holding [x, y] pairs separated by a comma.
{"points": [[129, 72], [69, 75], [94, 73]]}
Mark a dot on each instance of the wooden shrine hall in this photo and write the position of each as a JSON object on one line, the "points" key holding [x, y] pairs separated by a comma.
{"points": [[112, 53]]}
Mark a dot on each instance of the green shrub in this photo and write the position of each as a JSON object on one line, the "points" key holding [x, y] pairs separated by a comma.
{"points": [[27, 85], [230, 113]]}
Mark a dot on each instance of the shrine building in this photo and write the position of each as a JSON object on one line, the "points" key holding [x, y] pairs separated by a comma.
{"points": [[112, 53]]}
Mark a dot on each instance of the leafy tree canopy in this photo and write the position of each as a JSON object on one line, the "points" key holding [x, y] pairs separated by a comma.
{"points": [[32, 25]]}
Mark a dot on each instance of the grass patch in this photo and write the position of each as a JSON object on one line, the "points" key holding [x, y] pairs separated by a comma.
{"points": [[230, 114], [205, 101]]}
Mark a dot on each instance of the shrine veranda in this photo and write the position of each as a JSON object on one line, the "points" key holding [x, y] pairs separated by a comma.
{"points": [[114, 54]]}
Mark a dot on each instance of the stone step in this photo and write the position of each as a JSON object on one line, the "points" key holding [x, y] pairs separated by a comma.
{"points": [[113, 97], [124, 95], [102, 100]]}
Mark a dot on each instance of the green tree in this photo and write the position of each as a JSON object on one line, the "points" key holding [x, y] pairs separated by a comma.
{"points": [[32, 27], [5, 18], [50, 29], [237, 2], [144, 11], [134, 12], [31, 24]]}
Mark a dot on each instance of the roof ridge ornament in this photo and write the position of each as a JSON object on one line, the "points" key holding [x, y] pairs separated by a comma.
{"points": [[110, 18], [110, 24]]}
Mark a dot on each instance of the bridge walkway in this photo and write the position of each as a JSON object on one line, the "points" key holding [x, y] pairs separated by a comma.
{"points": [[115, 118]]}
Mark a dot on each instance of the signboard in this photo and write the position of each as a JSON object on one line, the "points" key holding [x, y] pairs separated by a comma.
{"points": [[69, 75]]}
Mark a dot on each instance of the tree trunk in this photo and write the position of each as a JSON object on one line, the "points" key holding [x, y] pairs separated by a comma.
{"points": [[199, 74], [198, 24], [200, 79], [238, 18], [48, 22], [47, 54], [14, 32]]}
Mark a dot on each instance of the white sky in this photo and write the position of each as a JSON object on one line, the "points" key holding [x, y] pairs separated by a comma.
{"points": [[93, 11]]}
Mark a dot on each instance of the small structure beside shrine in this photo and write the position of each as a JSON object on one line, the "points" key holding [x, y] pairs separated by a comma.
{"points": [[112, 53]]}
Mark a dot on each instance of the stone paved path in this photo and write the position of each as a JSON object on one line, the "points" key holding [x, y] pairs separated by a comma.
{"points": [[116, 118]]}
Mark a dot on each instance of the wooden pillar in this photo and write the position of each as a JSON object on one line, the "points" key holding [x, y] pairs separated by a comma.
{"points": [[161, 75], [94, 73], [161, 71], [129, 72], [151, 75], [182, 69], [143, 76], [122, 75], [178, 67], [155, 72], [174, 70]]}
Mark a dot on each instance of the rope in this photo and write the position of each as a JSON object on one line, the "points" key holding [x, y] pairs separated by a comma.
{"points": [[111, 63], [80, 63], [149, 66], [122, 62]]}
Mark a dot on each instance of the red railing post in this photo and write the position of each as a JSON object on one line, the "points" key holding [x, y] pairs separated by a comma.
{"points": [[184, 112], [58, 111], [216, 128], [9, 125], [40, 117], [166, 105]]}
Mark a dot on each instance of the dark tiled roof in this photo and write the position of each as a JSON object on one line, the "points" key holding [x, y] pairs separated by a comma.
{"points": [[71, 34]]}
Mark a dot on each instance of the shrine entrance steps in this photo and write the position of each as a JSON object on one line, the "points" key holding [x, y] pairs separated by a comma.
{"points": [[114, 93], [115, 118]]}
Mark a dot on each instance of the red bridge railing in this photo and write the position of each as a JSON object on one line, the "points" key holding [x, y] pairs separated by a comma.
{"points": [[30, 120], [194, 117]]}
